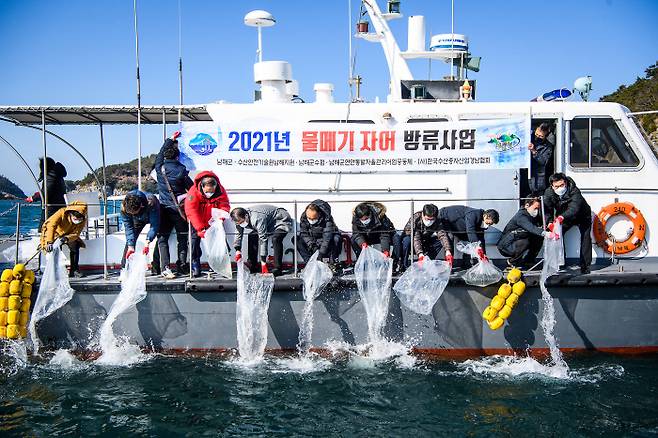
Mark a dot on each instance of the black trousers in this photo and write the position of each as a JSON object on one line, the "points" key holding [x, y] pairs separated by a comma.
{"points": [[74, 250], [431, 246], [334, 248], [516, 248], [196, 247], [585, 227], [170, 220], [253, 247]]}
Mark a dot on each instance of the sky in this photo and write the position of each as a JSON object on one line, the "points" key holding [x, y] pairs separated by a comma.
{"points": [[81, 52]]}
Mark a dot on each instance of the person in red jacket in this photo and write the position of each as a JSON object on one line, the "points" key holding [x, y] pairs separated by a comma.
{"points": [[206, 193]]}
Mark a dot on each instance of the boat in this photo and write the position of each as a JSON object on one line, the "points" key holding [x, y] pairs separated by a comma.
{"points": [[271, 150]]}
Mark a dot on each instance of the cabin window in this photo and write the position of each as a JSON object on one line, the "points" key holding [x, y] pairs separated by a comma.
{"points": [[598, 142]]}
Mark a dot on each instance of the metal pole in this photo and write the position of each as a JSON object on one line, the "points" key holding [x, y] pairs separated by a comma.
{"points": [[27, 166], [294, 238], [45, 165], [189, 245], [18, 229], [139, 104], [164, 127], [180, 61], [260, 44], [412, 231], [543, 212], [104, 204]]}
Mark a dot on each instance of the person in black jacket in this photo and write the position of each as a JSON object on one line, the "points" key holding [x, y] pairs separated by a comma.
{"points": [[54, 187], [173, 182], [318, 232], [541, 159], [523, 235], [468, 224], [370, 225], [565, 204], [428, 239]]}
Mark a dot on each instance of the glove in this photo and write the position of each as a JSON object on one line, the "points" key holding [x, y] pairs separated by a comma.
{"points": [[421, 259], [386, 254], [559, 219], [130, 252], [553, 236], [201, 234], [450, 259], [263, 268], [145, 251], [364, 245], [551, 226], [63, 240], [238, 256], [175, 135], [481, 254], [49, 247]]}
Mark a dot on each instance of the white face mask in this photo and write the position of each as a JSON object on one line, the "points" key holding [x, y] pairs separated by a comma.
{"points": [[485, 225], [244, 224], [428, 222], [533, 213], [313, 221], [76, 220], [209, 195], [560, 191], [365, 222]]}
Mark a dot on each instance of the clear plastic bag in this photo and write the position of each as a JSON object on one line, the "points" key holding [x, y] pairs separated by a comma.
{"points": [[254, 294], [421, 286], [54, 291], [484, 272], [373, 272], [316, 275], [214, 245]]}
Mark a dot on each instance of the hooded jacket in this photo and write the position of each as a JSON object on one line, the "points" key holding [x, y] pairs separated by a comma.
{"points": [[149, 214], [54, 185], [175, 172], [319, 235], [264, 219], [198, 208], [572, 206], [541, 165], [60, 224], [521, 226], [464, 222], [422, 233], [380, 225]]}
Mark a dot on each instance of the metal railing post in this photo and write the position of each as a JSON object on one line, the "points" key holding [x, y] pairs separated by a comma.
{"points": [[189, 246], [105, 227], [18, 230], [543, 212], [412, 231], [294, 238], [45, 166]]}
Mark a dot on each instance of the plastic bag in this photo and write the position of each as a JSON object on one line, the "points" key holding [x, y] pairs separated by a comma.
{"points": [[214, 245], [254, 293], [316, 275], [421, 286], [54, 291], [553, 253], [373, 272], [484, 272]]}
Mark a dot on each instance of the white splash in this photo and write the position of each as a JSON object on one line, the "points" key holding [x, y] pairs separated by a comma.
{"points": [[316, 275], [254, 292]]}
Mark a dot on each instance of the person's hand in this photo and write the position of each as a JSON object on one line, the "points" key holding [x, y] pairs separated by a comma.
{"points": [[175, 135], [421, 259], [481, 254], [49, 247], [201, 234], [145, 251], [364, 245], [263, 268], [559, 219], [450, 258], [129, 252], [386, 254], [238, 256], [63, 240], [550, 226], [531, 147], [553, 236]]}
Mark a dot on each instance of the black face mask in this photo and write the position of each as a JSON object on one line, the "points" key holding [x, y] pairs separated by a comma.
{"points": [[540, 140]]}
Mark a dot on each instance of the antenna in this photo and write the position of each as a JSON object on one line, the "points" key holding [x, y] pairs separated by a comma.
{"points": [[259, 19], [180, 62], [139, 104]]}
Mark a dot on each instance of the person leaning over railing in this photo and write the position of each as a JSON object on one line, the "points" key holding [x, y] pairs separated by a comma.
{"points": [[468, 224], [137, 210], [370, 226], [318, 232], [66, 224], [206, 193], [428, 239]]}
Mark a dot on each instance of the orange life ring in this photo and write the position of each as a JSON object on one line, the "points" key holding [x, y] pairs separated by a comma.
{"points": [[633, 241]]}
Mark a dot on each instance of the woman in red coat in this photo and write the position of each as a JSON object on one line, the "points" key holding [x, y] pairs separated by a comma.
{"points": [[206, 193]]}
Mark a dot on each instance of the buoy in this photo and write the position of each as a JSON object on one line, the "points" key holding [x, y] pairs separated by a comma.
{"points": [[25, 317], [496, 323], [498, 302], [505, 312], [13, 331], [29, 277], [514, 275], [489, 313], [15, 287], [22, 331], [18, 271], [25, 305], [4, 289], [504, 290], [501, 306], [4, 303], [26, 291], [14, 302], [3, 318], [512, 300], [518, 288], [7, 275], [3, 332], [13, 316]]}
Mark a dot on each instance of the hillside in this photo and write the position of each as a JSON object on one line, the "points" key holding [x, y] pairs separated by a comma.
{"points": [[9, 190], [642, 95], [121, 178]]}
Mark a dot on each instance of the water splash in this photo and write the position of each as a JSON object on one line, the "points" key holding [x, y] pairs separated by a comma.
{"points": [[373, 272], [316, 275], [117, 350], [253, 301], [13, 357]]}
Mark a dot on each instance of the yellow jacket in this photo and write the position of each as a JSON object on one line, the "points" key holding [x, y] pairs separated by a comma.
{"points": [[60, 225]]}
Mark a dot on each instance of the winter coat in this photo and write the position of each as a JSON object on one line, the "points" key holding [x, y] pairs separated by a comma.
{"points": [[60, 224], [149, 214], [572, 206], [177, 175], [521, 226], [319, 235], [55, 186], [541, 165], [198, 208], [464, 222], [264, 219], [380, 225], [422, 233]]}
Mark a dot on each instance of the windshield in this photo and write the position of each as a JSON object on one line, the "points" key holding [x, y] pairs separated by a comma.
{"points": [[638, 126]]}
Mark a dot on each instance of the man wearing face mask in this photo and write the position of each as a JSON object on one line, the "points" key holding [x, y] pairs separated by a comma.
{"points": [[318, 232], [66, 224], [523, 235], [206, 193], [139, 209], [565, 204], [370, 225], [428, 239], [541, 159], [264, 222], [469, 224]]}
